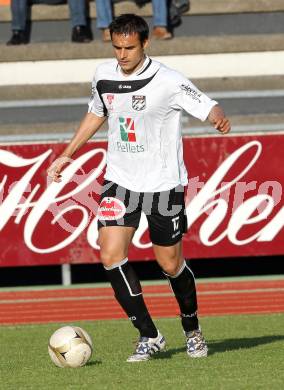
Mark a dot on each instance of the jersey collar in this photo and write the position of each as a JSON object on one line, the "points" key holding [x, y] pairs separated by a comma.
{"points": [[147, 62]]}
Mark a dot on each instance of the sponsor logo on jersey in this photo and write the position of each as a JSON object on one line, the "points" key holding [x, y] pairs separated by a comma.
{"points": [[127, 129], [138, 102], [127, 143], [111, 209], [196, 95], [94, 92], [110, 98], [129, 148]]}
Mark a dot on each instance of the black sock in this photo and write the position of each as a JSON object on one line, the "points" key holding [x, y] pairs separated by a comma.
{"points": [[183, 286], [128, 292]]}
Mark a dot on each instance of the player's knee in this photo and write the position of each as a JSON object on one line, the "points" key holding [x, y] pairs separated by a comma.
{"points": [[172, 266], [110, 257]]}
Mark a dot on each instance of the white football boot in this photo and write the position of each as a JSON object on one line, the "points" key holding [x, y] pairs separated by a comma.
{"points": [[195, 344], [146, 347]]}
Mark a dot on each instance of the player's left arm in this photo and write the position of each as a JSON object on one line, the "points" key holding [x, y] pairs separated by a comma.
{"points": [[218, 119]]}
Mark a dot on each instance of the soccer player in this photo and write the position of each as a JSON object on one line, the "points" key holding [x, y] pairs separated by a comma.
{"points": [[143, 101]]}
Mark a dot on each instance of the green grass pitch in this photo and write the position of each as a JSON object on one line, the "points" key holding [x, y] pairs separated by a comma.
{"points": [[246, 352]]}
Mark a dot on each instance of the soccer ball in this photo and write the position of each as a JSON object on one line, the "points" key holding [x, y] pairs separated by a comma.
{"points": [[70, 346]]}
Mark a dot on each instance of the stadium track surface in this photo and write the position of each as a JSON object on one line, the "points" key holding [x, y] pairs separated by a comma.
{"points": [[98, 303]]}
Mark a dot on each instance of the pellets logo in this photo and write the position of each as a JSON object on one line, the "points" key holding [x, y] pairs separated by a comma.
{"points": [[127, 129], [111, 209]]}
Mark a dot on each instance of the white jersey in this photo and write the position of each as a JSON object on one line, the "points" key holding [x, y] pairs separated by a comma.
{"points": [[145, 152]]}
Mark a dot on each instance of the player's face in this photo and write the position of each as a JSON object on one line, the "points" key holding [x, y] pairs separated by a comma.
{"points": [[129, 51]]}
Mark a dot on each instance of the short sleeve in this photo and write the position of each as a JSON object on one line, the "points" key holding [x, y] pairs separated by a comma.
{"points": [[190, 99], [96, 105]]}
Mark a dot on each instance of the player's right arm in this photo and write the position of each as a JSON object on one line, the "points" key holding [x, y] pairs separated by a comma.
{"points": [[87, 128]]}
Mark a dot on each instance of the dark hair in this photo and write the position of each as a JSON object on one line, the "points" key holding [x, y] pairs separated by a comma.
{"points": [[130, 24]]}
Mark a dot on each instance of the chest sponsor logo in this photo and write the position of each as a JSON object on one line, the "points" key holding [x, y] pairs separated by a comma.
{"points": [[128, 136], [196, 95], [111, 209], [138, 102], [127, 129]]}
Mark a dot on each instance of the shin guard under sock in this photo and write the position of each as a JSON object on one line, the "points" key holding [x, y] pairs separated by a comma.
{"points": [[128, 292], [183, 286]]}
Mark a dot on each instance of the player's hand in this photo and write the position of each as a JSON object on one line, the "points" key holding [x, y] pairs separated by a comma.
{"points": [[223, 125], [54, 171]]}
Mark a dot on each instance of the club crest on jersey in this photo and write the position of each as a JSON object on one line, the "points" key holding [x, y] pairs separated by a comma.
{"points": [[138, 102]]}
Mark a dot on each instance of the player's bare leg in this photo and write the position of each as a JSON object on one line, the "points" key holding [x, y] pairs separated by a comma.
{"points": [[170, 258], [114, 242], [182, 281]]}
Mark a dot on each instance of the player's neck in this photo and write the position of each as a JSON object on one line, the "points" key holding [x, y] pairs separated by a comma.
{"points": [[136, 69]]}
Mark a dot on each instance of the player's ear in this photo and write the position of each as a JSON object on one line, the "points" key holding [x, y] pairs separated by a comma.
{"points": [[145, 43]]}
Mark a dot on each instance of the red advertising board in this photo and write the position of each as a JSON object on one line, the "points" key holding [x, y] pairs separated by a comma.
{"points": [[234, 201]]}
